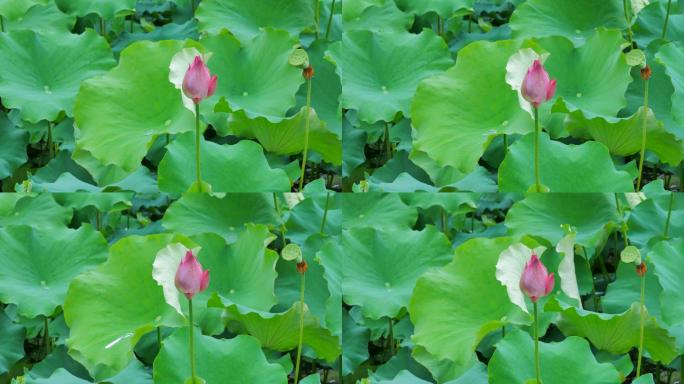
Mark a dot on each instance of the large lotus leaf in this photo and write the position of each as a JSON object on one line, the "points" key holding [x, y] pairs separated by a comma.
{"points": [[587, 167], [380, 71], [444, 8], [246, 19], [218, 361], [671, 55], [241, 167], [668, 259], [35, 210], [457, 114], [622, 137], [287, 136], [567, 362], [594, 216], [12, 346], [649, 23], [280, 331], [41, 73], [592, 78], [569, 18], [255, 76], [110, 308], [375, 16], [617, 333], [379, 210], [106, 9], [12, 9], [119, 115], [381, 266], [331, 258], [13, 150], [196, 213], [39, 263], [306, 218], [453, 308], [647, 220], [242, 272], [41, 18]]}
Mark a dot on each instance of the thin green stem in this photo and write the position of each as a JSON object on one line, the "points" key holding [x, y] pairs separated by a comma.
{"points": [[537, 367], [159, 337], [192, 344], [628, 21], [641, 325], [643, 136], [301, 328], [330, 18], [194, 6], [667, 19], [46, 335], [681, 368], [102, 26], [51, 147], [537, 181], [2, 24], [505, 143], [318, 16], [282, 223], [388, 142], [98, 220], [306, 134], [130, 26], [325, 213], [470, 23], [445, 229], [197, 147], [669, 215], [440, 25], [390, 336]]}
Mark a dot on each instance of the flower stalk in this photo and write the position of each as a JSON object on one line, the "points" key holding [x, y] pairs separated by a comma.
{"points": [[641, 271], [308, 73], [645, 75], [628, 21], [301, 268], [537, 366], [537, 179], [667, 19], [191, 342], [197, 149], [330, 18]]}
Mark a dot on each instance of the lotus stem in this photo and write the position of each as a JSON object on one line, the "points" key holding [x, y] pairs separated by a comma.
{"points": [[159, 337], [325, 213], [669, 215], [505, 143], [643, 136], [301, 327], [282, 224], [306, 133], [390, 337], [102, 26], [440, 25], [318, 16], [98, 220], [537, 367], [51, 148], [2, 24], [388, 144], [197, 147], [46, 335], [628, 21], [537, 181], [191, 339], [330, 18], [667, 19], [194, 6], [641, 324], [444, 222]]}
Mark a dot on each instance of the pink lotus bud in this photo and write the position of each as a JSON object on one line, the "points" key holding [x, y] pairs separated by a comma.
{"points": [[190, 278], [536, 281], [536, 87], [198, 83]]}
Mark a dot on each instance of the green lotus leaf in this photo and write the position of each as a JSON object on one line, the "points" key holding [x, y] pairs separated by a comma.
{"points": [[356, 339], [59, 376], [621, 293], [647, 220], [375, 16], [404, 377], [105, 9], [594, 216], [12, 346], [12, 9], [592, 78], [587, 167], [35, 210], [453, 308], [444, 8], [244, 271], [330, 257], [41, 18], [110, 308], [224, 361], [456, 115], [104, 202], [311, 379], [42, 72], [13, 151], [622, 137], [381, 266], [644, 379], [287, 136], [306, 218], [568, 18], [566, 362], [379, 210], [39, 263], [196, 213], [255, 76], [245, 20], [241, 167], [380, 71], [119, 115], [668, 259], [280, 331], [649, 25], [616, 333], [671, 56]]}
